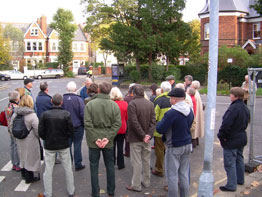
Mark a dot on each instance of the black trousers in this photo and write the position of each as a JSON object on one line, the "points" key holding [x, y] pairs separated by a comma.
{"points": [[119, 144], [27, 175]]}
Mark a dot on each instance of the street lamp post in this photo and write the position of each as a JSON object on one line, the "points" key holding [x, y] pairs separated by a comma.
{"points": [[206, 180]]}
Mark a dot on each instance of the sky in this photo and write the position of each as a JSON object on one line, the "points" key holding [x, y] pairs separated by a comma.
{"points": [[27, 11]]}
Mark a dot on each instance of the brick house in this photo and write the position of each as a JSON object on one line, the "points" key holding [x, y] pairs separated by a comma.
{"points": [[238, 25], [41, 44]]}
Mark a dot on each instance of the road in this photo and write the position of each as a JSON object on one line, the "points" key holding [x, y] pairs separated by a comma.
{"points": [[10, 181]]}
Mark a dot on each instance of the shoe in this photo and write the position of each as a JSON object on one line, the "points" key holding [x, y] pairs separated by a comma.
{"points": [[121, 167], [224, 189], [130, 188], [35, 179], [152, 147], [80, 168], [166, 188], [17, 169], [41, 195], [14, 167], [57, 161], [157, 173]]}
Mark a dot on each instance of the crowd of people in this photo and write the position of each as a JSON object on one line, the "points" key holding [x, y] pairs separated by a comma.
{"points": [[117, 126]]}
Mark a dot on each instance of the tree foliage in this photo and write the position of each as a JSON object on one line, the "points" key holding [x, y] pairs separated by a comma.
{"points": [[257, 6], [4, 49], [143, 30], [63, 25]]}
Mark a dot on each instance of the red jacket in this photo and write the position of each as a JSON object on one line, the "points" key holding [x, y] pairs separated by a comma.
{"points": [[194, 104], [123, 109]]}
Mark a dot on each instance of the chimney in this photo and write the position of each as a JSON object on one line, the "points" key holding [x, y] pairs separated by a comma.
{"points": [[43, 24], [38, 21]]}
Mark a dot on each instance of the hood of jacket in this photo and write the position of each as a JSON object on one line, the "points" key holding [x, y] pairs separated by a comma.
{"points": [[24, 110], [165, 94], [182, 107]]}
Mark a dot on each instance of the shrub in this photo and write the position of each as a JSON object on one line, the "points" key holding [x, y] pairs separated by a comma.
{"points": [[172, 70], [96, 64], [127, 71], [134, 76], [103, 70], [69, 74], [52, 64], [157, 72]]}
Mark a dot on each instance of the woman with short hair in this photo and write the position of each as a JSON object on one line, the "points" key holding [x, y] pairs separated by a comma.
{"points": [[117, 96], [28, 148]]}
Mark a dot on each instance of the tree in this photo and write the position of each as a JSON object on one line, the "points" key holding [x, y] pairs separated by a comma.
{"points": [[4, 49], [16, 38], [257, 6], [63, 25]]}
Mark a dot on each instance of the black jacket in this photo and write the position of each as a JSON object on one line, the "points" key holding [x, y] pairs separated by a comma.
{"points": [[55, 128], [232, 133]]}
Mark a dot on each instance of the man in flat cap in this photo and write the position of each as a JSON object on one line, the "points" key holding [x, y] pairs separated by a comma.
{"points": [[28, 86], [175, 127], [171, 80]]}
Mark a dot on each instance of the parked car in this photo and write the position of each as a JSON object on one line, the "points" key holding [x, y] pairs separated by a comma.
{"points": [[82, 70], [50, 73], [14, 74], [4, 77]]}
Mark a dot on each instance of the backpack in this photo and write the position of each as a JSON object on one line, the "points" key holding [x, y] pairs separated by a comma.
{"points": [[19, 129]]}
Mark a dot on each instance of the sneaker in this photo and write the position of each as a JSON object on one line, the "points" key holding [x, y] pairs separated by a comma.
{"points": [[18, 169], [35, 179], [14, 167]]}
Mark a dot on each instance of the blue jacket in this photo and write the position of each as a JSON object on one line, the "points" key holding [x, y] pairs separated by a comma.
{"points": [[83, 93], [75, 105], [175, 127], [232, 132], [43, 103]]}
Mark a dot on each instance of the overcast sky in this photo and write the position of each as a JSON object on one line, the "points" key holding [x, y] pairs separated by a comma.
{"points": [[29, 10]]}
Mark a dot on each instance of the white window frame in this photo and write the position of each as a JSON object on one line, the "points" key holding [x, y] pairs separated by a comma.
{"points": [[256, 31], [34, 32], [31, 44], [206, 31], [54, 43], [79, 47]]}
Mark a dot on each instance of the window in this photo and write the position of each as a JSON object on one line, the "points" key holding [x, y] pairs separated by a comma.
{"points": [[54, 46], [206, 31], [34, 46], [75, 48], [28, 46], [256, 30], [34, 32], [82, 47], [40, 46]]}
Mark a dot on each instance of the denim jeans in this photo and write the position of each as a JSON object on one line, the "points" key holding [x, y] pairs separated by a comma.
{"points": [[77, 140], [14, 154], [235, 167], [118, 144], [50, 156], [94, 157], [177, 169]]}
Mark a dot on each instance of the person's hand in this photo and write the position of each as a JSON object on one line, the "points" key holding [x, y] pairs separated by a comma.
{"points": [[99, 143], [147, 139], [104, 142]]}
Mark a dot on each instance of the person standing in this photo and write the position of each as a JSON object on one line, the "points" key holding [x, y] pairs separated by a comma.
{"points": [[162, 105], [83, 92], [171, 80], [188, 81], [102, 121], [75, 105], [56, 128], [28, 82], [199, 117], [153, 88], [245, 87], [233, 138], [175, 127], [28, 148], [117, 96], [43, 100], [141, 125], [14, 98]]}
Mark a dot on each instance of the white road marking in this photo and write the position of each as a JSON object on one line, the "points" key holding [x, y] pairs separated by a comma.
{"points": [[7, 167], [2, 178], [4, 99], [15, 83], [22, 187]]}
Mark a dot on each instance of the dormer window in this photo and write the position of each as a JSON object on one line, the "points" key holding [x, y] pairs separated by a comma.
{"points": [[34, 32], [256, 31], [206, 31]]}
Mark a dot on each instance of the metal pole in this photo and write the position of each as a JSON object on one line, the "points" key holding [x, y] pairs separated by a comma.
{"points": [[206, 180]]}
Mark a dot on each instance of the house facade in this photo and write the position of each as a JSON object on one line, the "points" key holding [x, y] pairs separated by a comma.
{"points": [[239, 25], [41, 44]]}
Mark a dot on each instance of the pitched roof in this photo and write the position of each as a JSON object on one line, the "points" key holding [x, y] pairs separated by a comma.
{"points": [[233, 6], [79, 34]]}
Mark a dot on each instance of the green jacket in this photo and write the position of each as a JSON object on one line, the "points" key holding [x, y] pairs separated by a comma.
{"points": [[162, 105], [102, 119]]}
